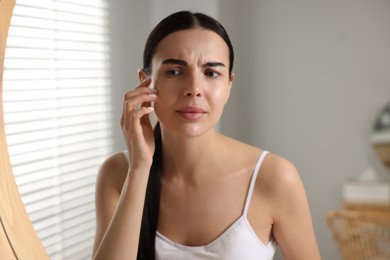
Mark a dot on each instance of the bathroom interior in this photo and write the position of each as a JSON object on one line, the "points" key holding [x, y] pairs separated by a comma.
{"points": [[312, 83]]}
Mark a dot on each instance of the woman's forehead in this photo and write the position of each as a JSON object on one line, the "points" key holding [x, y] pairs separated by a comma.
{"points": [[193, 44]]}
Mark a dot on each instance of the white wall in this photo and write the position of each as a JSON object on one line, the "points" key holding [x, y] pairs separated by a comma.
{"points": [[310, 78], [129, 23], [161, 9]]}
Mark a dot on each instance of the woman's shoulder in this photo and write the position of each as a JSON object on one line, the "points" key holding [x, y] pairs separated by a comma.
{"points": [[113, 170], [273, 165], [279, 180], [239, 148], [279, 168]]}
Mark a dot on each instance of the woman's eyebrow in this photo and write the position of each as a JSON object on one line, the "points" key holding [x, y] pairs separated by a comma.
{"points": [[175, 61], [184, 63], [213, 64]]}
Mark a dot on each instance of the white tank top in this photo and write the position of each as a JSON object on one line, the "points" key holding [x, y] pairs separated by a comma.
{"points": [[238, 241]]}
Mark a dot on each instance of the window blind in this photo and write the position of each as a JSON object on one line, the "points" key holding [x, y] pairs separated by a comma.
{"points": [[57, 116]]}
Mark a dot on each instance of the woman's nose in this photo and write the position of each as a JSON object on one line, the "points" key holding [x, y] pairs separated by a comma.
{"points": [[194, 93], [193, 87]]}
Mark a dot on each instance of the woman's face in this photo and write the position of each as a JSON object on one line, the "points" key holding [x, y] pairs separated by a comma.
{"points": [[190, 69]]}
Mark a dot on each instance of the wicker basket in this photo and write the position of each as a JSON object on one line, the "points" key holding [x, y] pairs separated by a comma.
{"points": [[361, 235]]}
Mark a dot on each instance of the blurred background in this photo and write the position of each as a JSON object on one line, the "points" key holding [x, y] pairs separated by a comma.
{"points": [[311, 78]]}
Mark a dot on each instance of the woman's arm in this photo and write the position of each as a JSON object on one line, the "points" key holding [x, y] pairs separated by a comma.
{"points": [[119, 209], [292, 227], [119, 214]]}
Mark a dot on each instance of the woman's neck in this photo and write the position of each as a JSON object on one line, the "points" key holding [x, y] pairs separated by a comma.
{"points": [[190, 158]]}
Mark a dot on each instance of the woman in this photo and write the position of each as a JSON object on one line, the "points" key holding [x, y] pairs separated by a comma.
{"points": [[184, 191]]}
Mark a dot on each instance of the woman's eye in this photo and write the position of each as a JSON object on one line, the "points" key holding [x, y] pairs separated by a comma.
{"points": [[173, 72], [211, 74]]}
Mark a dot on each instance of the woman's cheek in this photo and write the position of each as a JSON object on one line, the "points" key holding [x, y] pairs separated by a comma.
{"points": [[158, 107]]}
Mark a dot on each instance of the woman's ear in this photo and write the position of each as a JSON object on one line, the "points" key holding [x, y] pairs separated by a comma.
{"points": [[141, 75], [231, 78]]}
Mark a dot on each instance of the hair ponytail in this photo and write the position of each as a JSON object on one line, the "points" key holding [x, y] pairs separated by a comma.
{"points": [[152, 202]]}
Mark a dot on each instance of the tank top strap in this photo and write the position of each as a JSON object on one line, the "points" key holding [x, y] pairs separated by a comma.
{"points": [[253, 181]]}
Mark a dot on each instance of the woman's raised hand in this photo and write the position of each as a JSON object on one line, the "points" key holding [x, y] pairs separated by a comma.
{"points": [[136, 125]]}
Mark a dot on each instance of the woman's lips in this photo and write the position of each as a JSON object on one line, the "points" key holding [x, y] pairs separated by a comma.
{"points": [[191, 113]]}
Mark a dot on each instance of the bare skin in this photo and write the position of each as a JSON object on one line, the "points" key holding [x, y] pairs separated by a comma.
{"points": [[206, 175]]}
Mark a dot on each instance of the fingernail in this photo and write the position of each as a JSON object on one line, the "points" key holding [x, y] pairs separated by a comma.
{"points": [[152, 95], [151, 108], [154, 90]]}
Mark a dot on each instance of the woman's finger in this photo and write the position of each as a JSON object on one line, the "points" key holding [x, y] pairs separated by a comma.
{"points": [[140, 100], [139, 91], [134, 104], [144, 83], [142, 111]]}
